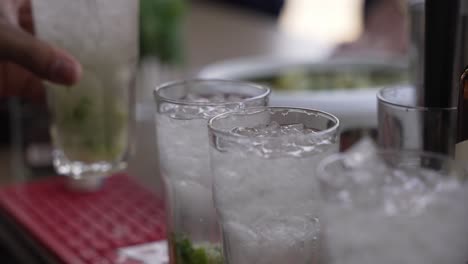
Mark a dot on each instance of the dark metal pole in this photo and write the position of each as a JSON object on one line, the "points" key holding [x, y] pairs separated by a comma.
{"points": [[441, 30]]}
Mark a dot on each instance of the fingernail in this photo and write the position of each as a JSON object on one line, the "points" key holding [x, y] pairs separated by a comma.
{"points": [[63, 72]]}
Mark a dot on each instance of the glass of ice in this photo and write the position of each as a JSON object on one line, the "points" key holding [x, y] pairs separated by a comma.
{"points": [[92, 120], [392, 207], [265, 191], [183, 110]]}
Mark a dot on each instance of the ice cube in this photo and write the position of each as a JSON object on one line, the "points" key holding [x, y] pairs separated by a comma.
{"points": [[286, 238], [217, 98], [393, 215], [358, 179], [241, 243], [275, 140], [362, 152], [273, 239], [371, 179], [272, 129], [181, 112], [355, 236], [245, 131], [193, 202], [208, 105], [99, 34], [213, 97], [235, 98], [294, 129], [196, 98]]}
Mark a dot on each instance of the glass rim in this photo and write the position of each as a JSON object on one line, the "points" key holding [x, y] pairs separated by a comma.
{"points": [[167, 85], [227, 134], [321, 167], [386, 101]]}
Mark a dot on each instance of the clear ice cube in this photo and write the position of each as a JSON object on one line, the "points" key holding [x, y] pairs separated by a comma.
{"points": [[213, 98], [272, 129], [274, 239]]}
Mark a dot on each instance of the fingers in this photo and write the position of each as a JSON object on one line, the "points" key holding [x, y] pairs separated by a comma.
{"points": [[15, 81], [25, 17], [37, 56]]}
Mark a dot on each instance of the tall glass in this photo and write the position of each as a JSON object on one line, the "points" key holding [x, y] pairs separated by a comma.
{"points": [[403, 124], [92, 120], [265, 190], [183, 110], [394, 207]]}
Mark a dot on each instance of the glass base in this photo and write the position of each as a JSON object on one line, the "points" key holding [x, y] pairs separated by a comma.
{"points": [[85, 176]]}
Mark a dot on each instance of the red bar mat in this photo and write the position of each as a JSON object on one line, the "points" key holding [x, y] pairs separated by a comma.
{"points": [[86, 228]]}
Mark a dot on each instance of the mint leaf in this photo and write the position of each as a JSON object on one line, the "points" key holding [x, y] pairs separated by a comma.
{"points": [[188, 253]]}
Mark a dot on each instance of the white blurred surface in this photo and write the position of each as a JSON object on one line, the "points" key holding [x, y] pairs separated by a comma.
{"points": [[332, 21]]}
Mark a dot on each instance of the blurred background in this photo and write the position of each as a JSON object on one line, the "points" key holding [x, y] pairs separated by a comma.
{"points": [[331, 55]]}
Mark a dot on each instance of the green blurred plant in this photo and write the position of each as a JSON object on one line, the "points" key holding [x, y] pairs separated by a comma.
{"points": [[161, 25], [187, 253]]}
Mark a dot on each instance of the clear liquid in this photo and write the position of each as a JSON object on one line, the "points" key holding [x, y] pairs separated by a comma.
{"points": [[91, 123], [183, 144], [91, 120], [183, 150], [269, 205]]}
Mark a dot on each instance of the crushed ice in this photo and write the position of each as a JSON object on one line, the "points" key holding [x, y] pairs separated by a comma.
{"points": [[367, 180], [273, 129], [205, 105], [274, 140]]}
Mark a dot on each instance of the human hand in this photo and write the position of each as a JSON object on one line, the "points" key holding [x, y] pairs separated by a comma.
{"points": [[24, 59]]}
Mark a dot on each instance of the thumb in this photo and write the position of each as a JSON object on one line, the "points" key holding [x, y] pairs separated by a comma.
{"points": [[45, 61]]}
